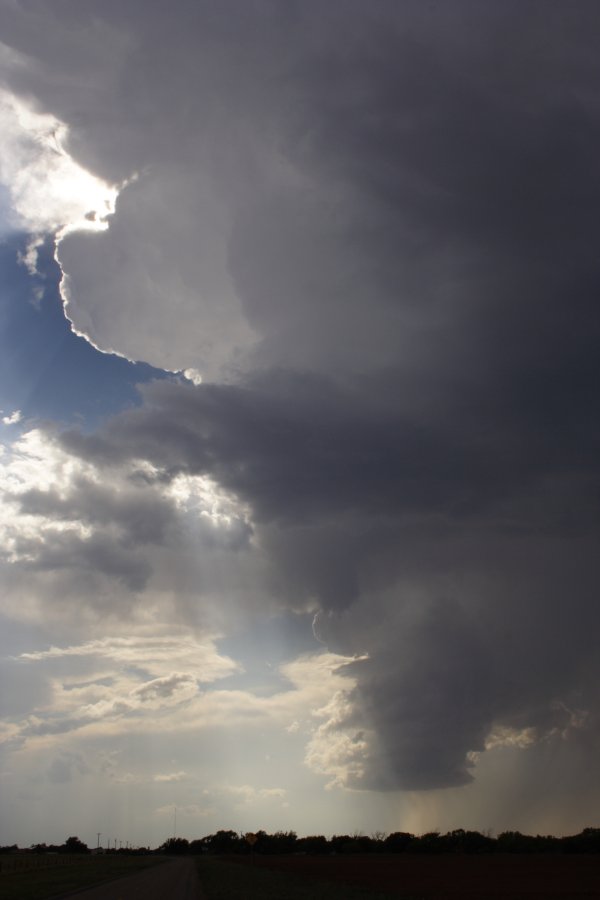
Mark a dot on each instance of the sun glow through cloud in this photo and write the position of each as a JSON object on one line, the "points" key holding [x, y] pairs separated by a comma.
{"points": [[49, 191]]}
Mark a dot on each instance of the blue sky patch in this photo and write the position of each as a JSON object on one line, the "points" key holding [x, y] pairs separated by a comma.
{"points": [[46, 370]]}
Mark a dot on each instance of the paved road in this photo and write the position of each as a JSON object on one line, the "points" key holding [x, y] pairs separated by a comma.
{"points": [[173, 880]]}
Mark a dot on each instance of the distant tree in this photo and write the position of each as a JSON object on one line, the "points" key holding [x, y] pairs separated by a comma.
{"points": [[360, 843], [515, 842], [545, 843], [74, 845], [280, 842], [378, 841], [225, 842], [461, 841], [509, 842], [340, 843], [197, 846], [590, 840], [258, 841], [398, 841], [587, 841], [176, 846], [314, 843], [431, 842]]}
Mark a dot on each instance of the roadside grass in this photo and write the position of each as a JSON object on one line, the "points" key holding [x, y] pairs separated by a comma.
{"points": [[223, 880], [43, 884]]}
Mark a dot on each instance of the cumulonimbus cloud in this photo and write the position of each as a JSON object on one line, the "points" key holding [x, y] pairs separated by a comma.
{"points": [[371, 236]]}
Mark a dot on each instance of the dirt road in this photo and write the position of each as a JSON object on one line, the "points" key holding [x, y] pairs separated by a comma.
{"points": [[174, 880]]}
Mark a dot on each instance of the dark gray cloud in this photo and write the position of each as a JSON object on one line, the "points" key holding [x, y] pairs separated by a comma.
{"points": [[91, 557], [142, 518], [465, 566], [383, 222], [299, 447]]}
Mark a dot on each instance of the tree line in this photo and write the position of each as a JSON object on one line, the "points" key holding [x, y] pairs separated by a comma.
{"points": [[282, 842], [457, 841]]}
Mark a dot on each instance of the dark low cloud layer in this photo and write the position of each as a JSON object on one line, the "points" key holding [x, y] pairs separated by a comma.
{"points": [[402, 229]]}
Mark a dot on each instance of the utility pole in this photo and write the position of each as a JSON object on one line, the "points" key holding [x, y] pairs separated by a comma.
{"points": [[175, 823], [98, 844]]}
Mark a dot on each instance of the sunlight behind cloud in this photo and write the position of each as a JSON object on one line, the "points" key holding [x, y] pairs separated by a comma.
{"points": [[201, 494], [49, 192]]}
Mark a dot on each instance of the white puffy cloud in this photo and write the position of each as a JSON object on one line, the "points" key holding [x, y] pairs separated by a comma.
{"points": [[61, 518], [115, 724], [187, 313], [335, 749], [121, 680], [150, 649], [12, 418]]}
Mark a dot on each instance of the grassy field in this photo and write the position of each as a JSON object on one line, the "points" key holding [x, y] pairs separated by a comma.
{"points": [[223, 880], [53, 881], [412, 876]]}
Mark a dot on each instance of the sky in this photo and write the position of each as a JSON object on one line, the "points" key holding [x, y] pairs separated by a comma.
{"points": [[299, 433]]}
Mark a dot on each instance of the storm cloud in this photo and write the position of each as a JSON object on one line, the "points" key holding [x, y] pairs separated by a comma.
{"points": [[373, 231]]}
